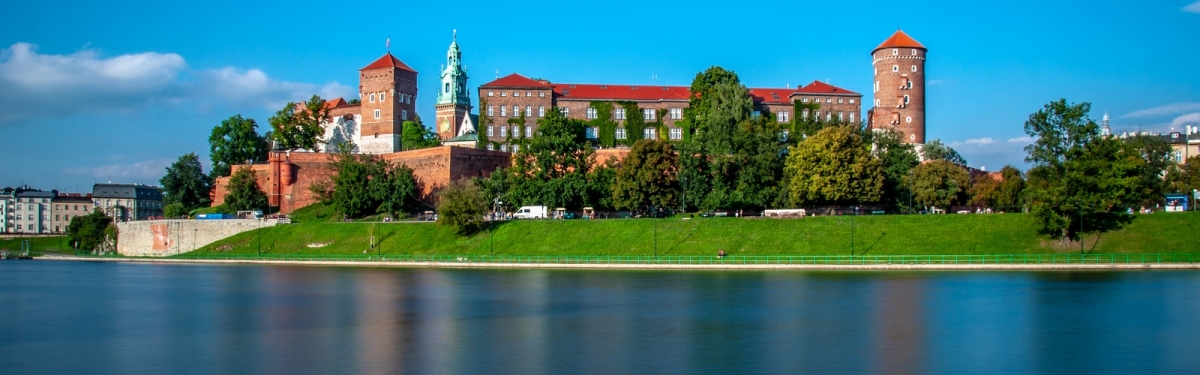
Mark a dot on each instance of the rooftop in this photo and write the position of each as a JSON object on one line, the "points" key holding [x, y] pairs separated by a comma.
{"points": [[899, 40], [388, 61], [583, 91]]}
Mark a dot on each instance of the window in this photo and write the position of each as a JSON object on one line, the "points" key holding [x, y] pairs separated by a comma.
{"points": [[895, 68], [503, 131], [516, 111], [804, 100], [516, 94], [676, 133], [376, 114], [840, 100], [755, 114], [381, 96], [895, 52], [447, 88], [516, 131], [906, 99], [783, 116], [491, 147], [528, 111], [619, 113], [490, 112], [676, 113], [650, 133], [914, 68], [503, 111], [914, 52], [490, 130], [648, 113], [620, 133], [876, 102], [566, 111], [876, 86], [528, 131], [404, 114], [1178, 157], [504, 148], [593, 133], [408, 99], [851, 116], [851, 101], [908, 119], [829, 100], [516, 148], [829, 116], [541, 111], [529, 94], [372, 96], [541, 94], [804, 113], [490, 94], [841, 116], [591, 113]]}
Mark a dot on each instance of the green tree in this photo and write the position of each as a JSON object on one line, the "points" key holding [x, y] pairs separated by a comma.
{"points": [[940, 183], [233, 142], [1183, 178], [936, 150], [553, 170], [416, 136], [1157, 155], [899, 159], [88, 232], [1008, 194], [484, 121], [648, 177], [359, 183], [833, 167], [244, 192], [298, 126], [1080, 181], [185, 184], [462, 206], [400, 191]]}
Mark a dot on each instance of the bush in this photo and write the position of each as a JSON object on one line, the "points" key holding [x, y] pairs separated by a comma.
{"points": [[462, 206]]}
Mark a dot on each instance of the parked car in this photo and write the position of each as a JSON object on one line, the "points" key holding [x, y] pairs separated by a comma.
{"points": [[531, 212]]}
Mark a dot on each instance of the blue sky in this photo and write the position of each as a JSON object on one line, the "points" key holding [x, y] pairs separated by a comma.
{"points": [[99, 91]]}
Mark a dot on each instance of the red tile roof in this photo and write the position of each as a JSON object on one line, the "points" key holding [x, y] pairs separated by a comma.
{"points": [[514, 80], [772, 96], [388, 61], [620, 92], [818, 87], [334, 103], [899, 39]]}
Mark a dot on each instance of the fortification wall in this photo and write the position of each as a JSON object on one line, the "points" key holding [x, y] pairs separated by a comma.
{"points": [[170, 237]]}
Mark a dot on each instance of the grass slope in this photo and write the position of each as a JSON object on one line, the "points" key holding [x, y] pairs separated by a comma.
{"points": [[873, 235], [56, 244]]}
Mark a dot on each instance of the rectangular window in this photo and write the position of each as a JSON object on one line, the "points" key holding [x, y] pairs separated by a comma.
{"points": [[382, 96], [593, 133], [541, 111], [676, 133], [503, 111], [829, 100], [528, 131], [620, 133], [829, 116], [490, 93], [490, 129], [490, 112], [404, 114], [851, 101], [783, 116], [516, 131], [755, 114], [783, 135], [516, 111], [516, 94], [804, 100], [591, 113], [372, 96], [529, 94], [619, 114], [804, 113], [504, 148], [516, 148], [840, 101], [503, 94], [528, 111], [566, 111], [376, 114], [491, 147], [649, 133], [648, 113], [541, 94], [851, 116], [676, 113], [503, 131]]}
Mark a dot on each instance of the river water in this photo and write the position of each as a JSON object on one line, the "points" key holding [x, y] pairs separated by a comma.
{"points": [[110, 318]]}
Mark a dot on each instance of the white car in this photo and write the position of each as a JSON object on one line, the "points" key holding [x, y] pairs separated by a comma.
{"points": [[531, 212]]}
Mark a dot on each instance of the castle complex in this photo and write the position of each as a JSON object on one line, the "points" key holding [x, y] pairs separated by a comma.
{"points": [[899, 87]]}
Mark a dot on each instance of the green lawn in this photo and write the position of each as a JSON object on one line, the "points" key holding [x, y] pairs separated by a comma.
{"points": [[57, 244], [873, 235]]}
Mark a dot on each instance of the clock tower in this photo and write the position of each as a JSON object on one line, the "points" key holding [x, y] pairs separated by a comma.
{"points": [[453, 99]]}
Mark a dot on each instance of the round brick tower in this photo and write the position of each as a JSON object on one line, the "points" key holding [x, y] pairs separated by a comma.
{"points": [[900, 87]]}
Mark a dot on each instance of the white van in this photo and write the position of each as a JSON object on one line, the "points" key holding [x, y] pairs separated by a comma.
{"points": [[531, 212]]}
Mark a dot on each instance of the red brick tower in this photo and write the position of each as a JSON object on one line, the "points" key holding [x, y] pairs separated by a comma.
{"points": [[388, 91], [900, 87]]}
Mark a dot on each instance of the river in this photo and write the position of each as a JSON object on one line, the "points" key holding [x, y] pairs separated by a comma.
{"points": [[118, 318]]}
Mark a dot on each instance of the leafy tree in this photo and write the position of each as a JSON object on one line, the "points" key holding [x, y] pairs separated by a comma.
{"points": [[462, 206], [936, 150], [416, 136], [940, 183], [88, 232], [648, 177], [244, 192], [984, 191], [1080, 181], [233, 142], [1008, 193], [718, 104], [298, 125], [1157, 155], [899, 159], [185, 184], [1183, 178], [833, 167], [555, 169], [484, 121], [174, 210], [358, 183], [400, 191]]}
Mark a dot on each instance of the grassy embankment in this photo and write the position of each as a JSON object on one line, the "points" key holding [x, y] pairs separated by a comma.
{"points": [[873, 235], [56, 244]]}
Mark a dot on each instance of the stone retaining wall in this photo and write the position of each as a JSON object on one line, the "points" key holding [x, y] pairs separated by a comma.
{"points": [[170, 237]]}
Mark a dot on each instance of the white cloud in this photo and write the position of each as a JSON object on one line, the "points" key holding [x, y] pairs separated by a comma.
{"points": [[145, 171], [1188, 119], [1165, 110], [979, 141], [1194, 8], [46, 85], [993, 153]]}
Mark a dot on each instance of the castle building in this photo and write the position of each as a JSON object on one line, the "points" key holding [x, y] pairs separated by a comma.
{"points": [[899, 88], [512, 96], [387, 97], [453, 99]]}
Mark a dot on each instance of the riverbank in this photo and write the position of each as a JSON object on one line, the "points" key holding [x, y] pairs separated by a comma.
{"points": [[1163, 233], [714, 264]]}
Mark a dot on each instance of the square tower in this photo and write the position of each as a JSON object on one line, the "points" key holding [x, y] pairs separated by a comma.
{"points": [[388, 91]]}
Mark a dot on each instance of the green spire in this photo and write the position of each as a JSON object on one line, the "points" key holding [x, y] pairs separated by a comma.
{"points": [[453, 89]]}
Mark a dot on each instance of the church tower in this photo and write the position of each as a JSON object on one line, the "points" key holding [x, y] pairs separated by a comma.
{"points": [[900, 87], [453, 100], [387, 89]]}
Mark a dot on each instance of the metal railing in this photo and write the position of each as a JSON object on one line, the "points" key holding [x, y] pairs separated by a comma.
{"points": [[795, 260]]}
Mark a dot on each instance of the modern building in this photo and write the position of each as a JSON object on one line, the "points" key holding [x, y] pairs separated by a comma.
{"points": [[512, 96], [69, 206], [32, 212], [899, 89], [125, 202], [7, 203]]}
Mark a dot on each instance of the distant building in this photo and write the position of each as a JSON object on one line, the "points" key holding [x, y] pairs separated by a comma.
{"points": [[33, 211], [68, 206], [899, 64], [125, 202], [7, 203], [1183, 145]]}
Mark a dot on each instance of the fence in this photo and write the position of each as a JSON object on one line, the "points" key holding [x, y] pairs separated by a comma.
{"points": [[730, 260]]}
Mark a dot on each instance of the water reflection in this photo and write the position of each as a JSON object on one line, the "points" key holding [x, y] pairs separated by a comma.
{"points": [[122, 318]]}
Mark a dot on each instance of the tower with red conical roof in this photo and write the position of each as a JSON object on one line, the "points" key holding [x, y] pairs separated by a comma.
{"points": [[388, 91], [899, 87]]}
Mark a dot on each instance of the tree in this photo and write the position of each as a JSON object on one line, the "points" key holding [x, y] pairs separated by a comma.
{"points": [[648, 177], [462, 206], [833, 167], [416, 136], [1080, 181], [940, 183], [1183, 178], [482, 140], [984, 191], [88, 232], [244, 192], [899, 159], [298, 126], [185, 184], [936, 150], [400, 192], [233, 142], [557, 168], [1157, 155], [1008, 193]]}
